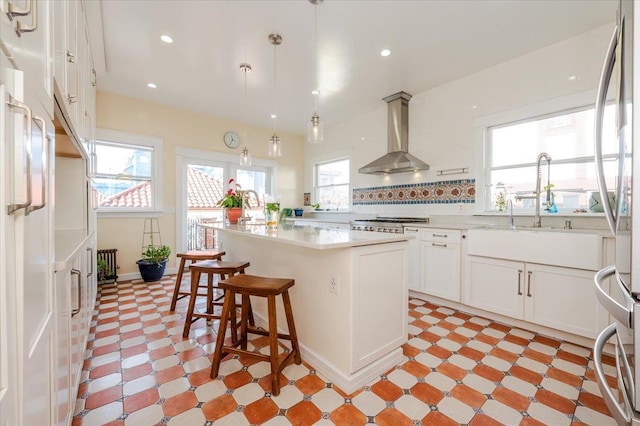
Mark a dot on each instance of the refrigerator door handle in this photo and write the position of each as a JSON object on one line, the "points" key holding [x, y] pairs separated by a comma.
{"points": [[619, 312], [621, 414], [603, 86]]}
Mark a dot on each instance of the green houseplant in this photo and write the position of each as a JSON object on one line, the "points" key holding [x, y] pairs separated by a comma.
{"points": [[153, 262]]}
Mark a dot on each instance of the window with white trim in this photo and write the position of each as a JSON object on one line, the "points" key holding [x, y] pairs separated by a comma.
{"points": [[128, 172], [332, 179], [568, 138]]}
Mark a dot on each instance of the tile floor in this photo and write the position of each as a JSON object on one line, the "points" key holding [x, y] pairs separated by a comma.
{"points": [[458, 369]]}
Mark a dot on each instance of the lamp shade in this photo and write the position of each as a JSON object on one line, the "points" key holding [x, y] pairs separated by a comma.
{"points": [[315, 131]]}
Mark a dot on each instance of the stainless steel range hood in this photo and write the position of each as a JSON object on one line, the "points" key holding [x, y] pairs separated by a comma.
{"points": [[397, 159]]}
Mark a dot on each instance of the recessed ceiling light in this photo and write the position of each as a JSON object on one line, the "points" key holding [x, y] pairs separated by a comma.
{"points": [[166, 38], [362, 138], [474, 106], [151, 85], [274, 116], [385, 52], [315, 92], [573, 77]]}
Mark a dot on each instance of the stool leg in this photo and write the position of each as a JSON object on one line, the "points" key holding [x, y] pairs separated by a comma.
{"points": [[292, 327], [246, 305], [176, 289], [195, 278], [222, 330], [232, 317], [209, 293], [273, 346]]}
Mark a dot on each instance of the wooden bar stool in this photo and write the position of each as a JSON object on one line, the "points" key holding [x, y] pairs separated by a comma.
{"points": [[251, 285], [211, 267], [192, 256]]}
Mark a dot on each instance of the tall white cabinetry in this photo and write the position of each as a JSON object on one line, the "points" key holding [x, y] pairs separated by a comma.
{"points": [[47, 244]]}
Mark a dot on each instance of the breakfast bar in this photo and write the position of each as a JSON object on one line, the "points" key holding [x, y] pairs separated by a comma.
{"points": [[349, 299]]}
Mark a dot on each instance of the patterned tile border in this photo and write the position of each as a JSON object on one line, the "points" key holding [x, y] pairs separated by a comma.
{"points": [[443, 192]]}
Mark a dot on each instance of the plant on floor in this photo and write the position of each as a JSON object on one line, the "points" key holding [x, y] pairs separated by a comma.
{"points": [[156, 254], [103, 269]]}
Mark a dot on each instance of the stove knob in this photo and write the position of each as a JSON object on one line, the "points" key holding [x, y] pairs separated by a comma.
{"points": [[397, 231], [385, 230]]}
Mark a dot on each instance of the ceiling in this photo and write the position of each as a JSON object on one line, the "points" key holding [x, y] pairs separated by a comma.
{"points": [[431, 43]]}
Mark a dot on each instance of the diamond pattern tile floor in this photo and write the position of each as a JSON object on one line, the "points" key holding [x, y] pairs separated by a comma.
{"points": [[458, 369]]}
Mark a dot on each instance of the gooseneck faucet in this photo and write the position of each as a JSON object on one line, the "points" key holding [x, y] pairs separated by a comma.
{"points": [[537, 222], [245, 202]]}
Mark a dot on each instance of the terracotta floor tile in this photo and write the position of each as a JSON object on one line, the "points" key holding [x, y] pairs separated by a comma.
{"points": [[438, 315], [387, 390], [260, 411], [458, 338], [304, 413], [200, 377], [348, 415], [421, 324], [555, 401], [429, 337], [488, 373], [161, 352], [104, 370], [462, 315], [594, 402], [409, 351], [440, 352], [136, 372], [439, 419], [168, 374], [516, 340], [482, 420], [219, 407], [310, 384], [106, 349], [500, 327], [576, 359], [392, 417], [107, 333], [237, 379], [141, 400], [564, 377], [179, 403], [471, 353], [415, 368], [103, 397], [451, 370], [473, 326], [134, 350], [115, 423], [510, 398], [526, 374], [547, 341], [469, 396], [537, 356], [447, 325], [190, 354], [484, 338], [427, 393], [505, 355], [529, 421]]}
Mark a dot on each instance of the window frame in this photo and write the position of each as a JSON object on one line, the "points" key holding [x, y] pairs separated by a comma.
{"points": [[317, 186], [575, 102], [133, 140]]}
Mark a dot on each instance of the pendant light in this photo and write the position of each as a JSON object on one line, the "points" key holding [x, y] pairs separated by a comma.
{"points": [[314, 127], [245, 157], [274, 142]]}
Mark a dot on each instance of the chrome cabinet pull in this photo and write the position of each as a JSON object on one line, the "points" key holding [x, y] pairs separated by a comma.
{"points": [[75, 312], [71, 58], [440, 235], [45, 165], [603, 85], [529, 283], [519, 282], [13, 103], [90, 250], [13, 10], [30, 9], [439, 245]]}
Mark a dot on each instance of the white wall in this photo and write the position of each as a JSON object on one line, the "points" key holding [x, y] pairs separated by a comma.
{"points": [[443, 127]]}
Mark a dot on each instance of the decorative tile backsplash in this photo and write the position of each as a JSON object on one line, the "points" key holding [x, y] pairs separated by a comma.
{"points": [[443, 192]]}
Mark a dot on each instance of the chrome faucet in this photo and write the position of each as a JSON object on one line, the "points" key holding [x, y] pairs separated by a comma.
{"points": [[537, 223], [245, 201], [510, 208]]}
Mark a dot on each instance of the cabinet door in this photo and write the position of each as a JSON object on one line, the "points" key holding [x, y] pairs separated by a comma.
{"points": [[441, 269], [415, 259], [564, 299], [495, 285], [76, 327], [62, 378]]}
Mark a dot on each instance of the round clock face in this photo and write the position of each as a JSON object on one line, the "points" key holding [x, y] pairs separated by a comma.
{"points": [[232, 140]]}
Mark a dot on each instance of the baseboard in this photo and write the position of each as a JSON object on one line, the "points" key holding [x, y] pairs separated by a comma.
{"points": [[136, 275], [348, 383]]}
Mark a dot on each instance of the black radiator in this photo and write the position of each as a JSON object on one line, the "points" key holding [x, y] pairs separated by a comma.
{"points": [[107, 266]]}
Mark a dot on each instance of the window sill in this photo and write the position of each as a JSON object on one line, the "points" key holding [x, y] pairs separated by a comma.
{"points": [[123, 214]]}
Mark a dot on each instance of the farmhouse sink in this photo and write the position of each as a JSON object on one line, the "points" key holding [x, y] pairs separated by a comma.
{"points": [[542, 229], [581, 249]]}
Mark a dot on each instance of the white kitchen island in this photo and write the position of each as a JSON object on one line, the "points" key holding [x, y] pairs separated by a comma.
{"points": [[350, 296]]}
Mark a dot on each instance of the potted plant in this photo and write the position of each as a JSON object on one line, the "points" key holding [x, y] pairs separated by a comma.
{"points": [[103, 270], [153, 262], [232, 202]]}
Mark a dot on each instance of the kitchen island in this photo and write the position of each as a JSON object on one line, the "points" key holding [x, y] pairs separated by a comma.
{"points": [[350, 297]]}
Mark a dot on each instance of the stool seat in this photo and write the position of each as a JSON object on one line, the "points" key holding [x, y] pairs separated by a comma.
{"points": [[210, 267], [252, 285], [256, 286], [192, 256]]}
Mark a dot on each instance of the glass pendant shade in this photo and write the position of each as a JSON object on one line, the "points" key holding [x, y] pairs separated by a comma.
{"points": [[245, 157], [315, 132], [274, 146]]}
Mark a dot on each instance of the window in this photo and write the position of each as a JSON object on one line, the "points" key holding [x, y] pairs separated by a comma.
{"points": [[128, 172], [332, 184], [568, 138]]}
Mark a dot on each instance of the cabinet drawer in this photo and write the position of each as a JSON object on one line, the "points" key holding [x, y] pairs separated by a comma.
{"points": [[442, 235]]}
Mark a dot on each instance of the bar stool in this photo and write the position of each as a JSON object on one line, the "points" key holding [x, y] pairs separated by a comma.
{"points": [[251, 285], [211, 267], [192, 256]]}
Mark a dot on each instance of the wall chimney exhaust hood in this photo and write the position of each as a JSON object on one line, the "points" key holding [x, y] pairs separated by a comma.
{"points": [[397, 159]]}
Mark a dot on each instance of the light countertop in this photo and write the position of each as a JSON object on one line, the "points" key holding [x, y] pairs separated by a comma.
{"points": [[315, 238]]}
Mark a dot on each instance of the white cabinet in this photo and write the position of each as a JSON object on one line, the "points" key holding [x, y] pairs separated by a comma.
{"points": [[552, 296], [441, 253], [415, 258], [26, 238]]}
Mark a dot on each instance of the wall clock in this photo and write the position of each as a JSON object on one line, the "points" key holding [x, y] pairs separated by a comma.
{"points": [[232, 140]]}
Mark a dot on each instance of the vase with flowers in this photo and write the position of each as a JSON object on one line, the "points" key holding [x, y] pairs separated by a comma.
{"points": [[232, 201]]}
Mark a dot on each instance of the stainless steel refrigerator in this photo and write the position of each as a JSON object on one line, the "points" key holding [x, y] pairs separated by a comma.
{"points": [[618, 285]]}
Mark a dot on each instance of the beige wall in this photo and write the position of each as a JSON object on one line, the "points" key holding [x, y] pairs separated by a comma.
{"points": [[181, 128]]}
